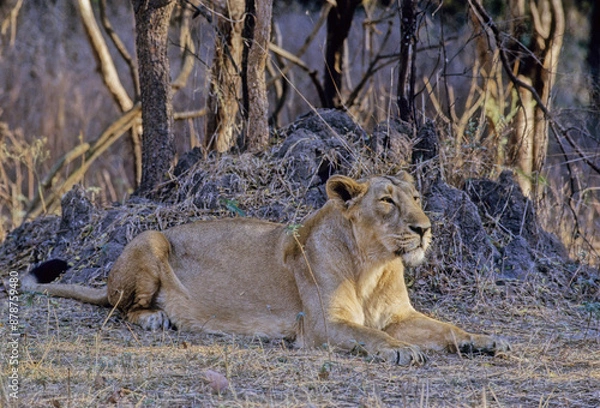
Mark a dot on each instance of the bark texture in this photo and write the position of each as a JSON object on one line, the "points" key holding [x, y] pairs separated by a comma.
{"points": [[158, 151], [408, 28], [339, 21], [223, 116], [256, 50]]}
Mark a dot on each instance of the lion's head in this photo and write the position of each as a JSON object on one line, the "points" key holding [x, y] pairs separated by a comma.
{"points": [[386, 215]]}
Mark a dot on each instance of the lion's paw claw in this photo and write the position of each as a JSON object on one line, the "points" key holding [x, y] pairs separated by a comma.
{"points": [[404, 356], [488, 345]]}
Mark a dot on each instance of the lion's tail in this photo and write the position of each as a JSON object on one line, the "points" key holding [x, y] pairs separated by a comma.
{"points": [[37, 281]]}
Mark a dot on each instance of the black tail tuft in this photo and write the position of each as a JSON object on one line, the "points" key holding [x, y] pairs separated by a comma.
{"points": [[47, 271]]}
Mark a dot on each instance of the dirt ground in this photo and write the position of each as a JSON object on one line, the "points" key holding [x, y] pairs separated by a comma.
{"points": [[77, 355]]}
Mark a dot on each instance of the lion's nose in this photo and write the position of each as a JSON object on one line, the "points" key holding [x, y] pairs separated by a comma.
{"points": [[420, 229]]}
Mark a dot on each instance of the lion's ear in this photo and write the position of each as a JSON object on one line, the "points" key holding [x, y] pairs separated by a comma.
{"points": [[344, 188]]}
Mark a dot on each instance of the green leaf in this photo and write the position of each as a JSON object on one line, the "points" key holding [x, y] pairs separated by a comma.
{"points": [[232, 205]]}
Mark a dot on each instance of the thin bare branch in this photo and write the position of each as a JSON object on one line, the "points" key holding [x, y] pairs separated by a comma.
{"points": [[189, 114], [90, 152], [561, 131], [129, 60], [105, 61], [11, 22], [371, 69], [188, 52], [313, 74], [293, 58], [487, 20]]}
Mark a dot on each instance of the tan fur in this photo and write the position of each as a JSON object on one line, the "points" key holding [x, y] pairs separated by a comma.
{"points": [[338, 279]]}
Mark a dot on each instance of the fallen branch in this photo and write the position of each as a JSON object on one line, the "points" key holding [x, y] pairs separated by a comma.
{"points": [[89, 152]]}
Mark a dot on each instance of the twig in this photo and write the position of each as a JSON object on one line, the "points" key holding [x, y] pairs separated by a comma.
{"points": [[293, 58], [188, 52], [90, 152], [121, 48], [297, 61], [189, 114], [371, 69], [487, 20], [296, 58], [558, 129], [109, 72], [309, 39], [200, 10]]}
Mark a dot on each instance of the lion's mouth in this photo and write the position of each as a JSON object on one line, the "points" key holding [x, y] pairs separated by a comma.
{"points": [[412, 257], [412, 252]]}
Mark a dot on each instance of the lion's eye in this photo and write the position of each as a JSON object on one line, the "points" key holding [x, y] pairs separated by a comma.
{"points": [[387, 200], [417, 199]]}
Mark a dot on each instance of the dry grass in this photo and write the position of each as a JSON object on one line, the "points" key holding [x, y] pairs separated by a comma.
{"points": [[106, 362]]}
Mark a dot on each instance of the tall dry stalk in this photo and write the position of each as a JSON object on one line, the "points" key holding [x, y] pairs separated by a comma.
{"points": [[20, 163]]}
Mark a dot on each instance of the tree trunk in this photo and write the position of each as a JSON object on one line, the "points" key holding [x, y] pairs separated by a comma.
{"points": [[408, 28], [529, 143], [257, 32], [158, 150], [339, 21], [222, 122]]}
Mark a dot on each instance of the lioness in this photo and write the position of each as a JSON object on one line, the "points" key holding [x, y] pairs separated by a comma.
{"points": [[337, 279]]}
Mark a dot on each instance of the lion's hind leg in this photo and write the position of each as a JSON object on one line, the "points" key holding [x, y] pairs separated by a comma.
{"points": [[137, 277]]}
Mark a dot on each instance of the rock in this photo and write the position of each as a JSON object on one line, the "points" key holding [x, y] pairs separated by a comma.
{"points": [[511, 215], [457, 225], [516, 261], [328, 123], [392, 141], [427, 145], [187, 161], [77, 211], [318, 145]]}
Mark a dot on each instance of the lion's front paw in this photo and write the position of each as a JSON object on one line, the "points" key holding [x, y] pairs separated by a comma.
{"points": [[480, 344], [404, 356]]}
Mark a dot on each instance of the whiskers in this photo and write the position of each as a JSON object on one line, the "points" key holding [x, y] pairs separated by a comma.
{"points": [[403, 243]]}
